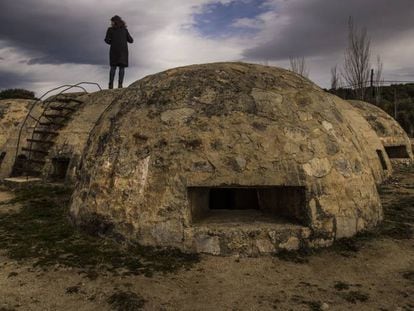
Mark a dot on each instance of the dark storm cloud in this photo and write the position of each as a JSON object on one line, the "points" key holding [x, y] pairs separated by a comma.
{"points": [[12, 80], [318, 27], [51, 34]]}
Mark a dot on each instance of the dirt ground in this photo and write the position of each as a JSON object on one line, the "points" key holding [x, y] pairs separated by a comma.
{"points": [[374, 271]]}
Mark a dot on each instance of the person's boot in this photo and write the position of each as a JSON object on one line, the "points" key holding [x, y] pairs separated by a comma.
{"points": [[119, 85], [111, 86]]}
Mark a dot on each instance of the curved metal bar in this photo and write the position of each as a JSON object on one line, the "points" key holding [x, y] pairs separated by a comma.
{"points": [[29, 114], [67, 87], [91, 83]]}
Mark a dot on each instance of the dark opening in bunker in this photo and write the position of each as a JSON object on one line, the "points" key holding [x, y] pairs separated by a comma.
{"points": [[60, 168], [382, 160], [19, 165], [397, 152], [233, 199], [279, 204], [2, 156]]}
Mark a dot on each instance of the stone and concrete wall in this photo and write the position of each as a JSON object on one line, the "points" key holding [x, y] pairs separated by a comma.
{"points": [[392, 135], [372, 147], [12, 114], [226, 124]]}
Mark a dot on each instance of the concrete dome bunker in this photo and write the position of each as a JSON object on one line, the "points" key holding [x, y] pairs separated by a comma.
{"points": [[226, 158], [395, 140]]}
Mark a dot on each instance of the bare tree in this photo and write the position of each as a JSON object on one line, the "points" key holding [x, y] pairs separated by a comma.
{"points": [[298, 65], [335, 78], [357, 59], [378, 79]]}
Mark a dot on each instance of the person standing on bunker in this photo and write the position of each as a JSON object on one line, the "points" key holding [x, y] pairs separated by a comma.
{"points": [[118, 37]]}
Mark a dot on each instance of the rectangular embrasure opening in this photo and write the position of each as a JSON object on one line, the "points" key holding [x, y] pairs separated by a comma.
{"points": [[286, 204], [382, 160], [397, 152]]}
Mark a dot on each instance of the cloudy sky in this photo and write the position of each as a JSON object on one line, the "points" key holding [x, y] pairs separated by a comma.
{"points": [[46, 43]]}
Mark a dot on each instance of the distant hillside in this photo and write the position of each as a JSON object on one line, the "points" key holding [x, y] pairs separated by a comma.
{"points": [[402, 94]]}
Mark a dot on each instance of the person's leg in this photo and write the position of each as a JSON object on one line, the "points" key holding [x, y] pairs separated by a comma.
{"points": [[111, 77], [121, 76]]}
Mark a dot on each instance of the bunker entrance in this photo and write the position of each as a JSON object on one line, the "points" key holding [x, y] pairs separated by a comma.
{"points": [[2, 156], [278, 204], [382, 160], [19, 165], [397, 152], [60, 168]]}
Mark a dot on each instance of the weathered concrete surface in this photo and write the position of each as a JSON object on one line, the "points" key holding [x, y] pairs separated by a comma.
{"points": [[12, 114], [386, 127], [372, 147], [225, 124]]}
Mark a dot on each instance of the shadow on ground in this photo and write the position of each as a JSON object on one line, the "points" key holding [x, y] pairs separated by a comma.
{"points": [[41, 231]]}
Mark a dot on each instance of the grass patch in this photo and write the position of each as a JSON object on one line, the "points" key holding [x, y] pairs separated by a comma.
{"points": [[126, 301], [300, 256], [355, 296], [341, 286], [398, 206], [314, 305], [41, 232], [409, 275], [73, 289]]}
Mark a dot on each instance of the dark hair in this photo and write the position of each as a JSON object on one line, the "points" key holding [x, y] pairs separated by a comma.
{"points": [[118, 22]]}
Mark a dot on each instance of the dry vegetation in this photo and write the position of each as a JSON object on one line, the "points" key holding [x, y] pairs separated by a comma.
{"points": [[46, 264]]}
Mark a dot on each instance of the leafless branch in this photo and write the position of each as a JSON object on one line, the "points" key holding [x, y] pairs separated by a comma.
{"points": [[335, 78], [378, 79], [356, 68], [298, 65]]}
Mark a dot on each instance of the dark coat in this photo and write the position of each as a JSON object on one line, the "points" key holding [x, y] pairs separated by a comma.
{"points": [[118, 39]]}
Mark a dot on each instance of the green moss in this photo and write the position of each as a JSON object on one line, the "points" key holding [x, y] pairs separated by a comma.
{"points": [[41, 232]]}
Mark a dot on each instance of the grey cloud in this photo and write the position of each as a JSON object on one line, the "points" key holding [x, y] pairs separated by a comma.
{"points": [[319, 27], [12, 80], [46, 31], [406, 73]]}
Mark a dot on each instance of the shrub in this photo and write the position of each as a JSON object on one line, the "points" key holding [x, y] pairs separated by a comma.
{"points": [[16, 93]]}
